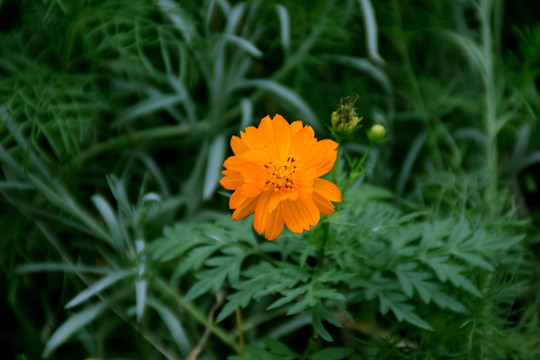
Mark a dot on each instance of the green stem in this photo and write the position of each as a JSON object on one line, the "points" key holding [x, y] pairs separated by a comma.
{"points": [[322, 250], [490, 101], [364, 157], [240, 330], [358, 169]]}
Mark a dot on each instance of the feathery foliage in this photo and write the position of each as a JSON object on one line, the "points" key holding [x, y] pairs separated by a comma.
{"points": [[114, 123]]}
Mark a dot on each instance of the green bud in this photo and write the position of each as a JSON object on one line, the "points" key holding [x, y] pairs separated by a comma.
{"points": [[344, 119], [377, 133]]}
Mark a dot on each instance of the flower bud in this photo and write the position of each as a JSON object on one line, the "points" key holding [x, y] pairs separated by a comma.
{"points": [[344, 119], [377, 133]]}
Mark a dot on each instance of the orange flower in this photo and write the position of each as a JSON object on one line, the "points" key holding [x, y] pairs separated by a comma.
{"points": [[275, 173]]}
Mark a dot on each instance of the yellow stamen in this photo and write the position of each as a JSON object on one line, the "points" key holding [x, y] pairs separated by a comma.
{"points": [[281, 174]]}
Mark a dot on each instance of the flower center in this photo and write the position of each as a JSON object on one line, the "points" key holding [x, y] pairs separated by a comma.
{"points": [[281, 174]]}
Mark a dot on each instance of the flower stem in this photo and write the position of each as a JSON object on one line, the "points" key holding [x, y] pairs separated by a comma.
{"points": [[240, 331], [358, 169], [490, 101]]}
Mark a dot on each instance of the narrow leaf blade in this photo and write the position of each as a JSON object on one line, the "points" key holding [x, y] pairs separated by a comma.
{"points": [[72, 325]]}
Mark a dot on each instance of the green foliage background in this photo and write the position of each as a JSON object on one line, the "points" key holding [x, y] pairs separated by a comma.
{"points": [[117, 242]]}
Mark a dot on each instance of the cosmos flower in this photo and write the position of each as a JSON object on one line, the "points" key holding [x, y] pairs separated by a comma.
{"points": [[275, 173]]}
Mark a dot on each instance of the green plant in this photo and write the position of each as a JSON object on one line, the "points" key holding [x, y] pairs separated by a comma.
{"points": [[114, 120]]}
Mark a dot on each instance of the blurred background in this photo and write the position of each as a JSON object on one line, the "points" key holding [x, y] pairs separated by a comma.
{"points": [[116, 116]]}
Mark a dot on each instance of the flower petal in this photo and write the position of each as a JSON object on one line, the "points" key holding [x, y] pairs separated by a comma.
{"points": [[295, 127], [293, 218], [302, 142], [321, 157], [256, 157], [265, 128], [251, 166], [238, 146], [282, 136], [236, 200], [233, 163], [247, 207], [249, 139], [258, 138], [303, 182], [232, 180], [279, 196], [326, 189], [305, 213], [325, 207], [261, 212], [311, 211], [274, 225], [250, 189]]}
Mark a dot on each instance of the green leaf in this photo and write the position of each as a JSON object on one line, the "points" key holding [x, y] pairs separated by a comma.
{"points": [[320, 313], [208, 279], [441, 268], [278, 348], [229, 264], [334, 276], [244, 44], [471, 49], [285, 279], [110, 219], [176, 330], [445, 301], [406, 285], [147, 106], [141, 291], [462, 282], [505, 243], [73, 324], [417, 278], [196, 258], [333, 294], [287, 95], [474, 260], [216, 155], [451, 272], [235, 301], [460, 233], [428, 290], [301, 305], [370, 25], [434, 232], [284, 27], [97, 287], [50, 266], [402, 310]]}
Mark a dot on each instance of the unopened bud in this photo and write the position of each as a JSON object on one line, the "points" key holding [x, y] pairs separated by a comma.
{"points": [[344, 119], [377, 133]]}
